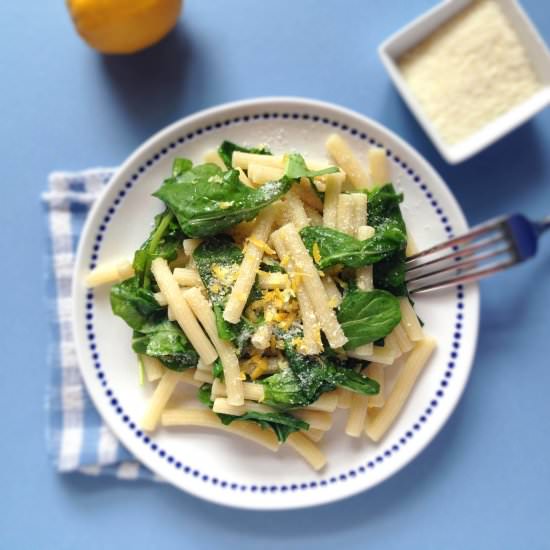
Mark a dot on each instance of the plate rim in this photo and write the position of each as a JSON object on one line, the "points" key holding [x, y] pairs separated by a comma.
{"points": [[270, 102]]}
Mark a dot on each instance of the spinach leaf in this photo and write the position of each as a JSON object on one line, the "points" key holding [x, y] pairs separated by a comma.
{"points": [[206, 200], [165, 341], [227, 148], [389, 274], [136, 305], [164, 242], [296, 168], [336, 247], [384, 212], [383, 206], [181, 165], [271, 266], [217, 369], [368, 316], [204, 395], [307, 377], [218, 260], [283, 424]]}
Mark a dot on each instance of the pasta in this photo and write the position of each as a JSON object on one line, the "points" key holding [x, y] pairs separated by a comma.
{"points": [[228, 356], [308, 450], [249, 266], [154, 369], [313, 286], [187, 321], [295, 210], [262, 295], [332, 197], [409, 321], [159, 399], [311, 341], [401, 389], [187, 277], [378, 163], [376, 371], [344, 398], [357, 415], [345, 158], [113, 272], [345, 215], [364, 274], [207, 419]]}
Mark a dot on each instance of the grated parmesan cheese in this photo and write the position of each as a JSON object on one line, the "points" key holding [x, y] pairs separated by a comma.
{"points": [[470, 71]]}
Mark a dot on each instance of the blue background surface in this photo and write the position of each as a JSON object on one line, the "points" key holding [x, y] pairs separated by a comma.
{"points": [[485, 480]]}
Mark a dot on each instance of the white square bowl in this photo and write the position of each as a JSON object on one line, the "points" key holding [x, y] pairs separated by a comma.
{"points": [[409, 36]]}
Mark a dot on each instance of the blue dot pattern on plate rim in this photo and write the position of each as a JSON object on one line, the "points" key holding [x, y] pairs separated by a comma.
{"points": [[187, 470]]}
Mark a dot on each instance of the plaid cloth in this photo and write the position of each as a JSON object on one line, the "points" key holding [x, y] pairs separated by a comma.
{"points": [[78, 439]]}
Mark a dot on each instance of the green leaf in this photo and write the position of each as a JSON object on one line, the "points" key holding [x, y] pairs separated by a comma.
{"points": [[204, 394], [384, 211], [309, 376], [217, 369], [227, 148], [164, 242], [296, 168], [181, 165], [217, 254], [368, 316], [206, 200], [383, 206], [136, 305], [214, 253], [283, 424], [336, 247], [166, 342]]}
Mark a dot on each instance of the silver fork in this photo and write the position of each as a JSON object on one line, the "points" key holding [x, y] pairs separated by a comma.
{"points": [[486, 249]]}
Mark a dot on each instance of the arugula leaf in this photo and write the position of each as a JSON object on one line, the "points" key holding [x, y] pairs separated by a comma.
{"points": [[206, 200], [368, 316], [283, 424], [384, 211], [220, 255], [163, 242], [296, 168], [227, 148], [165, 341], [136, 305], [307, 377], [336, 247]]}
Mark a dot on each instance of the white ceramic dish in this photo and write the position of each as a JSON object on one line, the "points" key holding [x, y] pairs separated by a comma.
{"points": [[403, 40], [211, 464]]}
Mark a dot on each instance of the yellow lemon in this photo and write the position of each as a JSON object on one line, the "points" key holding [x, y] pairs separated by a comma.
{"points": [[123, 26]]}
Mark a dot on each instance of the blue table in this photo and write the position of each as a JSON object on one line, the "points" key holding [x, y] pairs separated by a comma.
{"points": [[485, 480]]}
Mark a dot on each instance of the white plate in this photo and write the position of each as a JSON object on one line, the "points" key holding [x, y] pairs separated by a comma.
{"points": [[216, 466]]}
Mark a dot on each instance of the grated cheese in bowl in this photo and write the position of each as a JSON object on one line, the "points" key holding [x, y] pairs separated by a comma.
{"points": [[470, 71]]}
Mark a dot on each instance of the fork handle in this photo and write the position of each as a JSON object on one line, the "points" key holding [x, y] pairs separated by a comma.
{"points": [[543, 225]]}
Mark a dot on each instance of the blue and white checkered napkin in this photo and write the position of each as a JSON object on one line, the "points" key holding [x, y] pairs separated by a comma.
{"points": [[78, 439]]}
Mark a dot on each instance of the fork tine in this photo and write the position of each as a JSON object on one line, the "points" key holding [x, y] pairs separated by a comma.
{"points": [[473, 234], [463, 279], [462, 253], [463, 265]]}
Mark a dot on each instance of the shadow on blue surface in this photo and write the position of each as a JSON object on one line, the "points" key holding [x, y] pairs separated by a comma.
{"points": [[402, 490], [153, 85]]}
